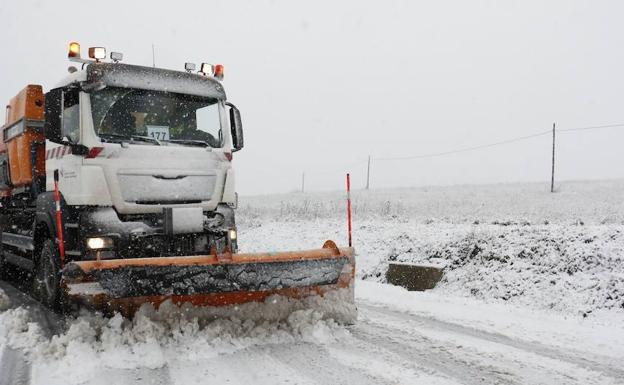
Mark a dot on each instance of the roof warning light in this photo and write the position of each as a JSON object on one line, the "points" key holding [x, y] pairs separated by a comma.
{"points": [[74, 50]]}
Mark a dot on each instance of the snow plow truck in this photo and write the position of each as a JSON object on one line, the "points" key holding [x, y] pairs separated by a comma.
{"points": [[117, 189]]}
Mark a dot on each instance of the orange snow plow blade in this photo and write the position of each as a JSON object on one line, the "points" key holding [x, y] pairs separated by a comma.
{"points": [[123, 285]]}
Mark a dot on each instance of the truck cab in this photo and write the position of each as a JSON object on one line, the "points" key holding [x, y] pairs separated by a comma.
{"points": [[142, 154]]}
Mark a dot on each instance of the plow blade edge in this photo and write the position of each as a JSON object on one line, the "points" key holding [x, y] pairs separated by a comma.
{"points": [[214, 280]]}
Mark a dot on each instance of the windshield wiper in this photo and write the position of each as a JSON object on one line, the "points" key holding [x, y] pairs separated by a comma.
{"points": [[146, 139], [192, 142], [140, 138]]}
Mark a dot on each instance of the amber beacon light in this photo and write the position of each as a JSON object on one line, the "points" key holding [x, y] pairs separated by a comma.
{"points": [[74, 50]]}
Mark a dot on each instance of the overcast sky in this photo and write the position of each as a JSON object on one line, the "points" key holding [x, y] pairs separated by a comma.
{"points": [[321, 85]]}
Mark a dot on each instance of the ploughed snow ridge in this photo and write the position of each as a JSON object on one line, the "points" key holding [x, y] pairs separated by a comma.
{"points": [[117, 342]]}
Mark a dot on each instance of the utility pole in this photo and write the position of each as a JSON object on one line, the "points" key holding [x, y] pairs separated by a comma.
{"points": [[153, 56], [368, 174], [552, 174], [303, 182]]}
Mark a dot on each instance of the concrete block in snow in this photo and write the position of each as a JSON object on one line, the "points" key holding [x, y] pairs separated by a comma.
{"points": [[414, 277]]}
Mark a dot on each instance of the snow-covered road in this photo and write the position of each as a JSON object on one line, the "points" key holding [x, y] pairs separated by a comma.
{"points": [[474, 356], [400, 338]]}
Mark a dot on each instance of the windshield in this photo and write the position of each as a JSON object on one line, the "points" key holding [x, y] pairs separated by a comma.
{"points": [[156, 116]]}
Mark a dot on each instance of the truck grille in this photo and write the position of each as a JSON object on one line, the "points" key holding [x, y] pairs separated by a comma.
{"points": [[150, 189]]}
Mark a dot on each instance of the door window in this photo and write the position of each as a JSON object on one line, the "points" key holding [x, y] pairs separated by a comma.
{"points": [[71, 116]]}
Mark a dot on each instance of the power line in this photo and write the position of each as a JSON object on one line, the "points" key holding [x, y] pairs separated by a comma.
{"points": [[591, 127], [512, 140], [460, 150], [336, 170], [431, 155]]}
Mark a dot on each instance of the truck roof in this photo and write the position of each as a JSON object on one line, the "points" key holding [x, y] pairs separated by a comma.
{"points": [[147, 78]]}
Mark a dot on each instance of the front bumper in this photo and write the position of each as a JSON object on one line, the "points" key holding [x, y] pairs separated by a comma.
{"points": [[144, 236]]}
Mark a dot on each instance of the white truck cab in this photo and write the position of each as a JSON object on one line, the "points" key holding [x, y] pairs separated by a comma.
{"points": [[142, 153]]}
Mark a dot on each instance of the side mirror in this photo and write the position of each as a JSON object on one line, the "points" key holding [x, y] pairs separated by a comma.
{"points": [[236, 125], [53, 111], [79, 149], [76, 149]]}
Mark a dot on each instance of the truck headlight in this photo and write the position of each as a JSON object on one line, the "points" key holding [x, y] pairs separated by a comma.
{"points": [[98, 243], [232, 243]]}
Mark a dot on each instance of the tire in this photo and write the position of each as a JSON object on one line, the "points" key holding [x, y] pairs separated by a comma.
{"points": [[47, 276], [6, 269], [4, 266], [4, 273]]}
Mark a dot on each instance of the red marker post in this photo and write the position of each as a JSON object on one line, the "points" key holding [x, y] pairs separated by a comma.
{"points": [[349, 207], [59, 221]]}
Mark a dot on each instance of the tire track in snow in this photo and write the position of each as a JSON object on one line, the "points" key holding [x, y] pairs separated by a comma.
{"points": [[602, 364], [285, 363], [315, 362], [251, 365], [138, 376], [397, 368], [14, 368], [430, 354], [523, 366]]}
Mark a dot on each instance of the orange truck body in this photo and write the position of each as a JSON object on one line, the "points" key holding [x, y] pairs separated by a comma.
{"points": [[22, 130]]}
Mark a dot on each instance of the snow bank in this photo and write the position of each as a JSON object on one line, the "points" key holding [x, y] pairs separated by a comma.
{"points": [[572, 269], [18, 330]]}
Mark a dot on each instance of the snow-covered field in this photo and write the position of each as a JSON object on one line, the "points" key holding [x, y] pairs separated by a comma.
{"points": [[533, 293], [596, 202], [513, 243]]}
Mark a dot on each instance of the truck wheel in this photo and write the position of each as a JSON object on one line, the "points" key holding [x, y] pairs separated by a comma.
{"points": [[7, 271], [4, 266], [47, 280], [4, 274]]}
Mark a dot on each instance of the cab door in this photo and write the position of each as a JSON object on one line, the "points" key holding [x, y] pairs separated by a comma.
{"points": [[61, 133]]}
